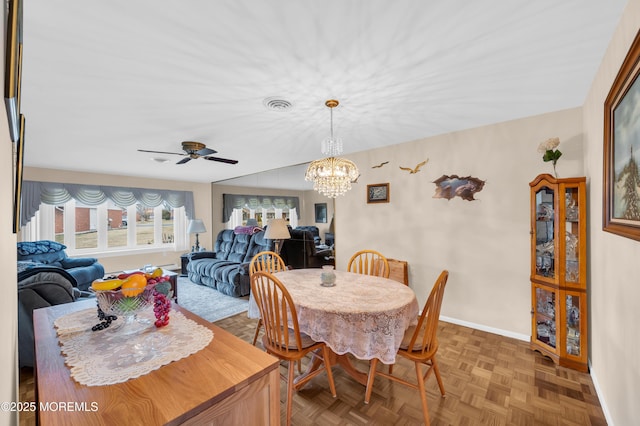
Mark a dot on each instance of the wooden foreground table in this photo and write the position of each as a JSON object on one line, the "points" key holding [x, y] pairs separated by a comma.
{"points": [[228, 382]]}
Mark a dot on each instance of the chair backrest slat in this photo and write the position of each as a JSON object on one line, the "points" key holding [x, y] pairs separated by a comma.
{"points": [[268, 261], [369, 262]]}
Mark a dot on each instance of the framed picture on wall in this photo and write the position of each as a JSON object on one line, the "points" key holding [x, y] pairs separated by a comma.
{"points": [[378, 193], [621, 177], [17, 186], [13, 67], [321, 212]]}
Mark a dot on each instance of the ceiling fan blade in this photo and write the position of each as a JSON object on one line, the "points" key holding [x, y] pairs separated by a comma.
{"points": [[184, 160], [161, 152], [222, 160], [206, 151]]}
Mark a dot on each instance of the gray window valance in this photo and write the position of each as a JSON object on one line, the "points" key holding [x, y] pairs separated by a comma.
{"points": [[254, 202], [34, 193]]}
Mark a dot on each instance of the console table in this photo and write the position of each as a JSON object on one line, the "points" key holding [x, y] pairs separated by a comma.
{"points": [[227, 382]]}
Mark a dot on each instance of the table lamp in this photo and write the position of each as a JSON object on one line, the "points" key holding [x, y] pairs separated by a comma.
{"points": [[277, 230], [196, 226]]}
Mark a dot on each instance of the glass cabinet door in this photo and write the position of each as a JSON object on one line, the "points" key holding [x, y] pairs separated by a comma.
{"points": [[544, 233], [572, 227], [573, 318], [545, 315]]}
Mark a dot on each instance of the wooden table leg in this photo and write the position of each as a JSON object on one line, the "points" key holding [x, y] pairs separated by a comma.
{"points": [[350, 369], [342, 360]]}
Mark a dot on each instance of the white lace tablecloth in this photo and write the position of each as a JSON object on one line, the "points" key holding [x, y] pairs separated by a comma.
{"points": [[106, 357], [362, 315]]}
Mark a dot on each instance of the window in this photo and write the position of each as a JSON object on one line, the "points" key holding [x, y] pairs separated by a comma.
{"points": [[108, 228], [240, 216]]}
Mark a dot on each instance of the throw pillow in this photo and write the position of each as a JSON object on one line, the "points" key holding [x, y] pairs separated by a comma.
{"points": [[27, 248], [247, 230]]}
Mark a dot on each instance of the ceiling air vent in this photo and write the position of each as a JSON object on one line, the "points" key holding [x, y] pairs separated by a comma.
{"points": [[277, 104]]}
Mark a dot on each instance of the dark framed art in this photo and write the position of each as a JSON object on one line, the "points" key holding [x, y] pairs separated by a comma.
{"points": [[378, 193], [12, 70], [17, 186], [621, 174], [321, 212]]}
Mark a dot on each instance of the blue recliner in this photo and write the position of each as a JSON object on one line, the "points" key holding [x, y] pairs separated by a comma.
{"points": [[33, 254], [227, 268], [39, 287]]}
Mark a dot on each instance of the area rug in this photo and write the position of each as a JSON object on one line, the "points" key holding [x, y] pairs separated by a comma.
{"points": [[208, 303]]}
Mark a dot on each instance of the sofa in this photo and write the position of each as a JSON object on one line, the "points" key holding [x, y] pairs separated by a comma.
{"points": [[300, 251], [47, 253], [226, 269], [39, 288]]}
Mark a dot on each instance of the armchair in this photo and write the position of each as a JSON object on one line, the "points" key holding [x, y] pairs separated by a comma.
{"points": [[300, 251], [315, 233], [51, 254], [39, 288]]}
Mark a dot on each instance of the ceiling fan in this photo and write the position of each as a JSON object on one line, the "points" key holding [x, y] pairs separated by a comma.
{"points": [[193, 150]]}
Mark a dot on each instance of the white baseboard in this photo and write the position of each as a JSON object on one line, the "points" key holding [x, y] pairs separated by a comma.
{"points": [[603, 404], [170, 267], [481, 327]]}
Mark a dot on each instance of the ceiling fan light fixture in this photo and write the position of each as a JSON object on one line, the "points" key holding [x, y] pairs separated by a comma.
{"points": [[332, 176], [191, 151]]}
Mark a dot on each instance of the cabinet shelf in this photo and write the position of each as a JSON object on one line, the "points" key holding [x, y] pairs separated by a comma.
{"points": [[545, 316], [558, 280]]}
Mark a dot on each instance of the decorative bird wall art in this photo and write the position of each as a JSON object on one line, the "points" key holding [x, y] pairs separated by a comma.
{"points": [[416, 169], [379, 165]]}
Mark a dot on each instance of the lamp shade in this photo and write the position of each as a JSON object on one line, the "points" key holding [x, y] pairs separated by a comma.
{"points": [[196, 226], [277, 230]]}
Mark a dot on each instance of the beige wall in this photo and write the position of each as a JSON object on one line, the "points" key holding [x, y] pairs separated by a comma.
{"points": [[8, 304], [483, 243], [614, 288], [201, 195]]}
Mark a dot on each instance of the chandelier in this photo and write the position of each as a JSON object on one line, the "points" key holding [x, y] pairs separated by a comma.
{"points": [[332, 176]]}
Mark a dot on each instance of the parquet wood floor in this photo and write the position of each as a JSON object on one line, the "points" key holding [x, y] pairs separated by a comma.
{"points": [[489, 380]]}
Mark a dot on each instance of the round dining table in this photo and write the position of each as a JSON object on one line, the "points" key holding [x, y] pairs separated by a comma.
{"points": [[362, 315]]}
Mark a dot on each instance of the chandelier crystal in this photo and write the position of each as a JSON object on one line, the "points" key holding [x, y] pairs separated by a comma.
{"points": [[332, 176]]}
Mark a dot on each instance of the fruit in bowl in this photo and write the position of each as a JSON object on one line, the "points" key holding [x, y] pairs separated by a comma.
{"points": [[128, 295]]}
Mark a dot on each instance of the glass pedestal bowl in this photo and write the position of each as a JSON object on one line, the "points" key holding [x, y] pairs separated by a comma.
{"points": [[127, 308]]}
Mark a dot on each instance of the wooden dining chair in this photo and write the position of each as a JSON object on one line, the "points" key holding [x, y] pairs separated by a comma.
{"points": [[282, 337], [419, 345], [265, 261], [369, 262]]}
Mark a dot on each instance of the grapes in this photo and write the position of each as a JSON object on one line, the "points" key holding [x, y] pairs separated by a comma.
{"points": [[106, 320], [161, 304]]}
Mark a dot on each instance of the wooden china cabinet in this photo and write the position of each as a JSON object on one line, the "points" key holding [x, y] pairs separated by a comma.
{"points": [[559, 270]]}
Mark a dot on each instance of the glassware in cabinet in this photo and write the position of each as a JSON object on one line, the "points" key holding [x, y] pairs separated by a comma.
{"points": [[545, 316], [544, 233]]}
